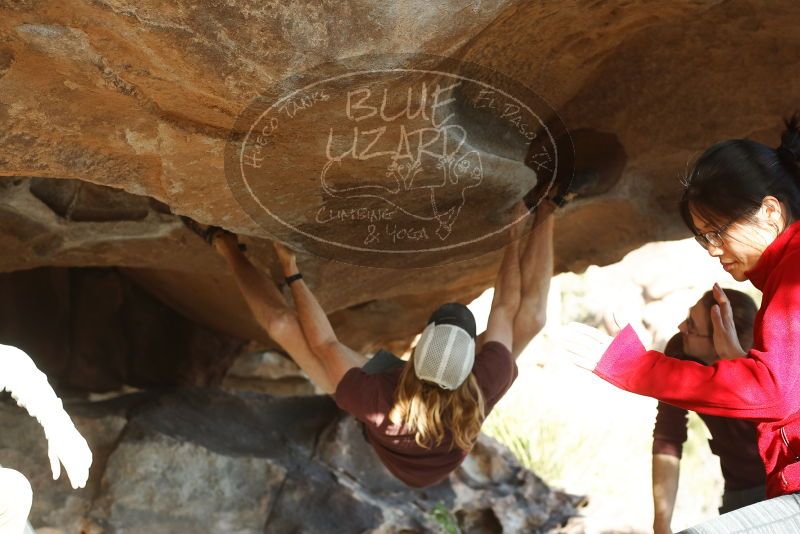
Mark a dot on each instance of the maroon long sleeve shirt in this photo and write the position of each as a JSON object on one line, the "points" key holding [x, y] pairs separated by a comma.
{"points": [[733, 440]]}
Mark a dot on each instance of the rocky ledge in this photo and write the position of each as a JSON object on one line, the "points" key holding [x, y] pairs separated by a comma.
{"points": [[200, 460]]}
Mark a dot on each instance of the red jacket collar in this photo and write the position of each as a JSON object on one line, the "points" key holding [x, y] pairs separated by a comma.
{"points": [[772, 255]]}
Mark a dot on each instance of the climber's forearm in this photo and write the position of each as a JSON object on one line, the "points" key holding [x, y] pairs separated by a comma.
{"points": [[313, 319], [337, 357], [260, 293]]}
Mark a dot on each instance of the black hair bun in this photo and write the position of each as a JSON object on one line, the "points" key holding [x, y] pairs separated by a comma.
{"points": [[790, 140]]}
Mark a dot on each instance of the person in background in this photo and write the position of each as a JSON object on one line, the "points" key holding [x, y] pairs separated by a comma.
{"points": [[29, 388], [733, 440]]}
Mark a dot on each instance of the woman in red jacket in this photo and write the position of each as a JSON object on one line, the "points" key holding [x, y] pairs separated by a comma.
{"points": [[742, 202]]}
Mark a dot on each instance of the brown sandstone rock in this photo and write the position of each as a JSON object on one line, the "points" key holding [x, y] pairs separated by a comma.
{"points": [[140, 97]]}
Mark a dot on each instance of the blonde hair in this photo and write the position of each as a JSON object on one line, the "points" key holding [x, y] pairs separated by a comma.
{"points": [[429, 411]]}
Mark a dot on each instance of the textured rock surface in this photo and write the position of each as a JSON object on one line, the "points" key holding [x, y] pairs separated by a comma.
{"points": [[113, 121], [205, 461], [153, 248], [267, 372], [666, 82], [140, 97]]}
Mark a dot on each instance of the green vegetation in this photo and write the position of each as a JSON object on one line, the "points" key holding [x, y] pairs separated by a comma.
{"points": [[446, 521]]}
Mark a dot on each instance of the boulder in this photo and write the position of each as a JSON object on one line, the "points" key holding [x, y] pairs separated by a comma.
{"points": [[201, 460], [142, 98]]}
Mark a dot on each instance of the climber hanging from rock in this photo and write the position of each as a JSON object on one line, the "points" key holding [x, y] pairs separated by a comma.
{"points": [[422, 417]]}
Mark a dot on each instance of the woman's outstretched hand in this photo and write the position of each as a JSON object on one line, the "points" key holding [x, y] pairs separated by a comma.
{"points": [[726, 341], [584, 344]]}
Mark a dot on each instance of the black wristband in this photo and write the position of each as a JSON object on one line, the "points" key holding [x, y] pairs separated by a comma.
{"points": [[292, 278]]}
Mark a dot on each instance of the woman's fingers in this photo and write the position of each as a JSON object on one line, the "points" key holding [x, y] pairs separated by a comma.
{"points": [[585, 362], [726, 340], [727, 318], [721, 297], [584, 345], [580, 330], [716, 319], [721, 313], [720, 336], [724, 305]]}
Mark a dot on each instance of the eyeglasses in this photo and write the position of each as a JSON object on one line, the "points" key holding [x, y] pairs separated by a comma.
{"points": [[692, 330], [714, 238]]}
